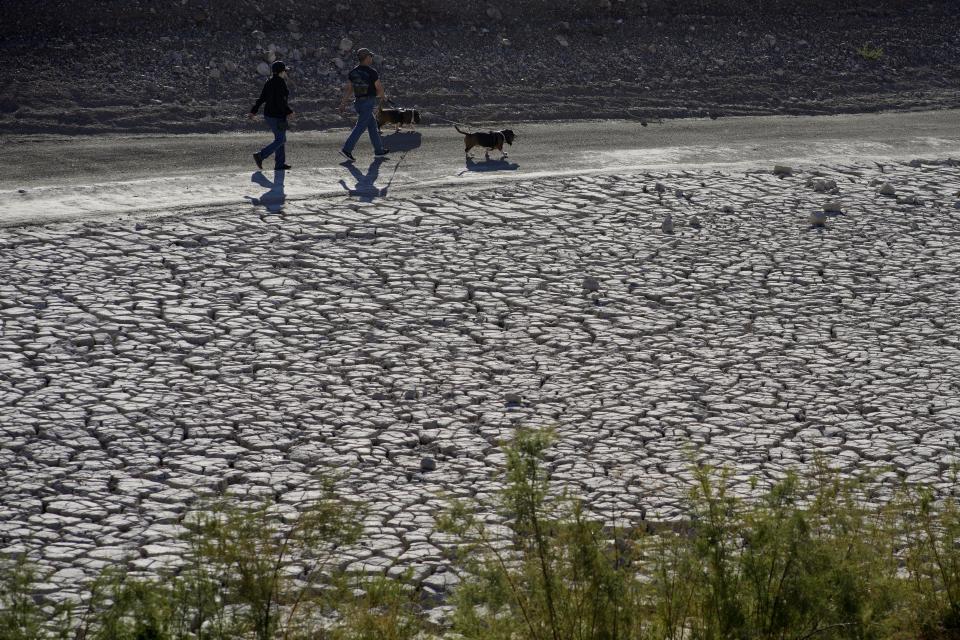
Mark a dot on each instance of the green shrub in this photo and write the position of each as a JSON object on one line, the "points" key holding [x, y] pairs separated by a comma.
{"points": [[870, 53], [933, 562], [555, 574], [20, 616], [387, 610], [805, 559]]}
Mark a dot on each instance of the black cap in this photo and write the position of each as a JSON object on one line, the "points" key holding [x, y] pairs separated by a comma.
{"points": [[363, 53], [279, 66]]}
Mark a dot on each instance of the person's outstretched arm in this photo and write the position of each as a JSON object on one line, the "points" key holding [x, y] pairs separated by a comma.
{"points": [[260, 101], [347, 94]]}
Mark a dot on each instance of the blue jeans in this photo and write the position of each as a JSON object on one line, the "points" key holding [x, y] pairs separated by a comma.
{"points": [[279, 140], [367, 121]]}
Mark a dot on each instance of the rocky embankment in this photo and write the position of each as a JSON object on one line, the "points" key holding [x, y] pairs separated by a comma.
{"points": [[197, 65]]}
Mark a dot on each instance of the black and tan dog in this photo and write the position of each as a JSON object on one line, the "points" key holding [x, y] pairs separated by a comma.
{"points": [[489, 140], [398, 117]]}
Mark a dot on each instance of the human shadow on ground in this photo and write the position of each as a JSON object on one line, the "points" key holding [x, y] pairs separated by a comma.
{"points": [[489, 165], [403, 141], [273, 199], [366, 188]]}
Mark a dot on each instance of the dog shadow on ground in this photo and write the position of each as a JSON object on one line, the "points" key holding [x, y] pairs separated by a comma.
{"points": [[403, 140], [489, 165], [273, 199], [366, 188]]}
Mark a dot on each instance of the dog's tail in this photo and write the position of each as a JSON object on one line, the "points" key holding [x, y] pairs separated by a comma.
{"points": [[466, 133]]}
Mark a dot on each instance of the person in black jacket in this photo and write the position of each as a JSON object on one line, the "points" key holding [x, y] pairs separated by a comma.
{"points": [[276, 111]]}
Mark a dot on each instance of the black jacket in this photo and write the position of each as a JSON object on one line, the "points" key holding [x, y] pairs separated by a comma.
{"points": [[274, 99]]}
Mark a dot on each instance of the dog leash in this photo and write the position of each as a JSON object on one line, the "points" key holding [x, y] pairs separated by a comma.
{"points": [[435, 116]]}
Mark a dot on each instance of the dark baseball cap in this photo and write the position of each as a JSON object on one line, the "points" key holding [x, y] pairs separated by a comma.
{"points": [[363, 53], [279, 66]]}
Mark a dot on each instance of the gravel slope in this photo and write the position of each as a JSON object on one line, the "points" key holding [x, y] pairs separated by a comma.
{"points": [[193, 66]]}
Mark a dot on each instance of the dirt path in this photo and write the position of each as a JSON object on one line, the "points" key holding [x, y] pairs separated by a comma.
{"points": [[58, 178]]}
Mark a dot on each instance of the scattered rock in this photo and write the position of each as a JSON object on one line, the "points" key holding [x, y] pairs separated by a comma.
{"points": [[727, 208], [886, 189], [591, 284], [782, 170], [818, 218], [513, 398], [562, 41], [833, 206], [263, 69], [428, 464], [695, 222], [822, 185], [667, 225], [910, 199], [346, 45]]}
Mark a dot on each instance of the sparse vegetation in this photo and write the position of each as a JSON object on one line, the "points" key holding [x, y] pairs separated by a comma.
{"points": [[870, 53], [813, 557]]}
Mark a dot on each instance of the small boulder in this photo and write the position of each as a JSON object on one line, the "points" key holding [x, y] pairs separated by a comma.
{"points": [[695, 222], [513, 398], [591, 284], [822, 185], [886, 189], [346, 44], [818, 218], [782, 170], [263, 69], [563, 42], [428, 464], [833, 206], [667, 225], [911, 200]]}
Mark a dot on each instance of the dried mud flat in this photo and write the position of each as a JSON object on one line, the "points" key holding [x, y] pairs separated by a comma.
{"points": [[398, 343]]}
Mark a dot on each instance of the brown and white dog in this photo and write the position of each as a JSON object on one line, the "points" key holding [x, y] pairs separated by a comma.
{"points": [[398, 117], [489, 140]]}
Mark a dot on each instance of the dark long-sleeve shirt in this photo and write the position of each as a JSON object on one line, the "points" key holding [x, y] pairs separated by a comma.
{"points": [[274, 99]]}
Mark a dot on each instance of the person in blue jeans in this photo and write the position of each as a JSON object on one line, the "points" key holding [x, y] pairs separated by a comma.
{"points": [[276, 113], [363, 84]]}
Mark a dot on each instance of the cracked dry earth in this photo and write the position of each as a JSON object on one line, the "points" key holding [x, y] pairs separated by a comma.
{"points": [[399, 342]]}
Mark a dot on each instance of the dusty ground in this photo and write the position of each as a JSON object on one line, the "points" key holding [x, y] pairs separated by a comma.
{"points": [[70, 67], [68, 178], [148, 364]]}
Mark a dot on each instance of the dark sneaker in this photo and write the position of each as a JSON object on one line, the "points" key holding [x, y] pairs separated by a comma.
{"points": [[347, 155], [382, 153], [259, 160], [282, 168]]}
